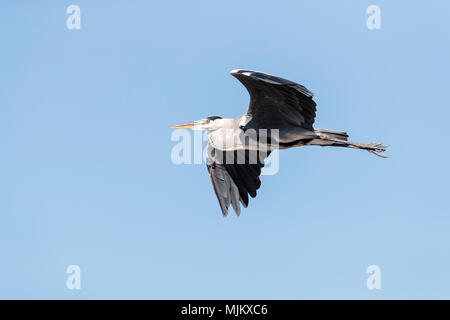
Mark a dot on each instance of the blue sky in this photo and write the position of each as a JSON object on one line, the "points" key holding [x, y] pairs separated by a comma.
{"points": [[87, 178]]}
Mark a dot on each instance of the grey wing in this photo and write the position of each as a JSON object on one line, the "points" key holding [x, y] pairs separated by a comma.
{"points": [[224, 188], [232, 181], [276, 103]]}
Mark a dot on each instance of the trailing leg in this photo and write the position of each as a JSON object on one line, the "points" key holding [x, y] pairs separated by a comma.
{"points": [[326, 139]]}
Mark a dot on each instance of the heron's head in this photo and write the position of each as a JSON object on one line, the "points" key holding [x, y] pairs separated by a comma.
{"points": [[203, 124]]}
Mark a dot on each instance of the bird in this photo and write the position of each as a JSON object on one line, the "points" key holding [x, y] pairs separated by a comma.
{"points": [[280, 115]]}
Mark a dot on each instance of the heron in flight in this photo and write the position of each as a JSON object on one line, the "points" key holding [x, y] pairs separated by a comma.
{"points": [[280, 116]]}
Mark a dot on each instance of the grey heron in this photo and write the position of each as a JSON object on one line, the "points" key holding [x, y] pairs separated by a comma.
{"points": [[276, 106]]}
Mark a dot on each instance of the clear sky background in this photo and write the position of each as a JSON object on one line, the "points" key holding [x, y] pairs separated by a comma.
{"points": [[86, 176]]}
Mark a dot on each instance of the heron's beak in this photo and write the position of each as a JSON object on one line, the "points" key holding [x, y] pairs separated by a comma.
{"points": [[189, 125]]}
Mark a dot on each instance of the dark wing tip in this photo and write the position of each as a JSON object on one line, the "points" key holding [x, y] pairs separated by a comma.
{"points": [[268, 78]]}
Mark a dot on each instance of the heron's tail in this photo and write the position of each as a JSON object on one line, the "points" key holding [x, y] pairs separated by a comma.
{"points": [[333, 138]]}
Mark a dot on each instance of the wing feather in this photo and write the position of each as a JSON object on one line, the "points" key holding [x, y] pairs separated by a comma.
{"points": [[276, 103], [233, 182]]}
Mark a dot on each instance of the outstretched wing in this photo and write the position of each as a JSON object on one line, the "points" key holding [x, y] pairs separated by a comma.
{"points": [[234, 176], [276, 103]]}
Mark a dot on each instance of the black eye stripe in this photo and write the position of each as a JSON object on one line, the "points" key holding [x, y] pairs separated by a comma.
{"points": [[214, 118]]}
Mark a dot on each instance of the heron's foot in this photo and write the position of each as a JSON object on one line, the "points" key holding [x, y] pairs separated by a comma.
{"points": [[375, 148]]}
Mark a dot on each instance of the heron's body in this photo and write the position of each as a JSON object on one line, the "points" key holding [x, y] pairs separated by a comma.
{"points": [[280, 116]]}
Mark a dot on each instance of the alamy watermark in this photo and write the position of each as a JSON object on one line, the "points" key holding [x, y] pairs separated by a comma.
{"points": [[73, 281], [374, 20], [374, 280], [249, 147], [73, 22]]}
